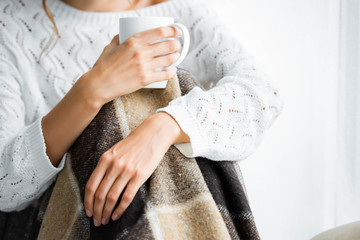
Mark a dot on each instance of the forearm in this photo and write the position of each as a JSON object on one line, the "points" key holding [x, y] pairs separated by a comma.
{"points": [[68, 119]]}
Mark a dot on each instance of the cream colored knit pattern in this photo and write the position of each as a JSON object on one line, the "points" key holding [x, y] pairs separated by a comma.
{"points": [[225, 118]]}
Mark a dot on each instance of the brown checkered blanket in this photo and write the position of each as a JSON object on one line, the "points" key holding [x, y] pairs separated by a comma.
{"points": [[185, 198]]}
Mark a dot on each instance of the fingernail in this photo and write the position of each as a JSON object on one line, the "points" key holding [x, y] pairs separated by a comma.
{"points": [[115, 217], [104, 221], [178, 32], [88, 213], [96, 223]]}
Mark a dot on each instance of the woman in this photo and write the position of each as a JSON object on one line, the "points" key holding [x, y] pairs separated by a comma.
{"points": [[51, 92]]}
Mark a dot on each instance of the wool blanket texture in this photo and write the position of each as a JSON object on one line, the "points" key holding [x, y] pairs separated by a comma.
{"points": [[185, 198]]}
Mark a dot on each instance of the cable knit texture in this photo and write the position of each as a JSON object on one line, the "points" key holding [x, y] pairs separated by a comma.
{"points": [[225, 118]]}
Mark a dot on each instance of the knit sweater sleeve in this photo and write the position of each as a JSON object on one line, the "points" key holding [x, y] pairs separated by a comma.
{"points": [[25, 169], [226, 118]]}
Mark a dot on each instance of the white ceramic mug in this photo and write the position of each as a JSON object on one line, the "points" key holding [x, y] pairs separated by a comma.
{"points": [[129, 26]]}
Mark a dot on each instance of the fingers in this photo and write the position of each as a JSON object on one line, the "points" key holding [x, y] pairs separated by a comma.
{"points": [[93, 183], [122, 169], [100, 197], [155, 75], [165, 74], [154, 34], [161, 48], [113, 196], [113, 44], [163, 61], [129, 194], [115, 39]]}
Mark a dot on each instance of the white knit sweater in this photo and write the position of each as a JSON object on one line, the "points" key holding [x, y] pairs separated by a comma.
{"points": [[225, 118]]}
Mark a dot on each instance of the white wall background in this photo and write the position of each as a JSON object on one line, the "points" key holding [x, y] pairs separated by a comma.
{"points": [[290, 178]]}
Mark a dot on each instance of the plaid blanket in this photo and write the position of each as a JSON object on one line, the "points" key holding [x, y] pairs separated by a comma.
{"points": [[185, 198]]}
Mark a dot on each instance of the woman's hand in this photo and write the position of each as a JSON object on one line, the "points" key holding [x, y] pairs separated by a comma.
{"points": [[124, 68], [129, 163]]}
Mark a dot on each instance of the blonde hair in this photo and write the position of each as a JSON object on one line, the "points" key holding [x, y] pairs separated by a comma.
{"points": [[55, 32], [56, 35]]}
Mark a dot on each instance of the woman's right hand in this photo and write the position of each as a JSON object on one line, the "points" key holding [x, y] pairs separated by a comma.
{"points": [[124, 68]]}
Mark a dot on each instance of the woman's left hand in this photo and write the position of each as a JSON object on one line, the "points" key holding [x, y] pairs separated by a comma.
{"points": [[129, 163]]}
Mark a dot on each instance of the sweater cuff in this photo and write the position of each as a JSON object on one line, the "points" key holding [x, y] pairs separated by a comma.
{"points": [[197, 146], [35, 144]]}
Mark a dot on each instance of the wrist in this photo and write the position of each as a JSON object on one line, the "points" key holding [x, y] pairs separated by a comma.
{"points": [[87, 92], [168, 128]]}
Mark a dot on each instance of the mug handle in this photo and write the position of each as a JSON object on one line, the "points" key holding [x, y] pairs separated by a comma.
{"points": [[186, 43]]}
